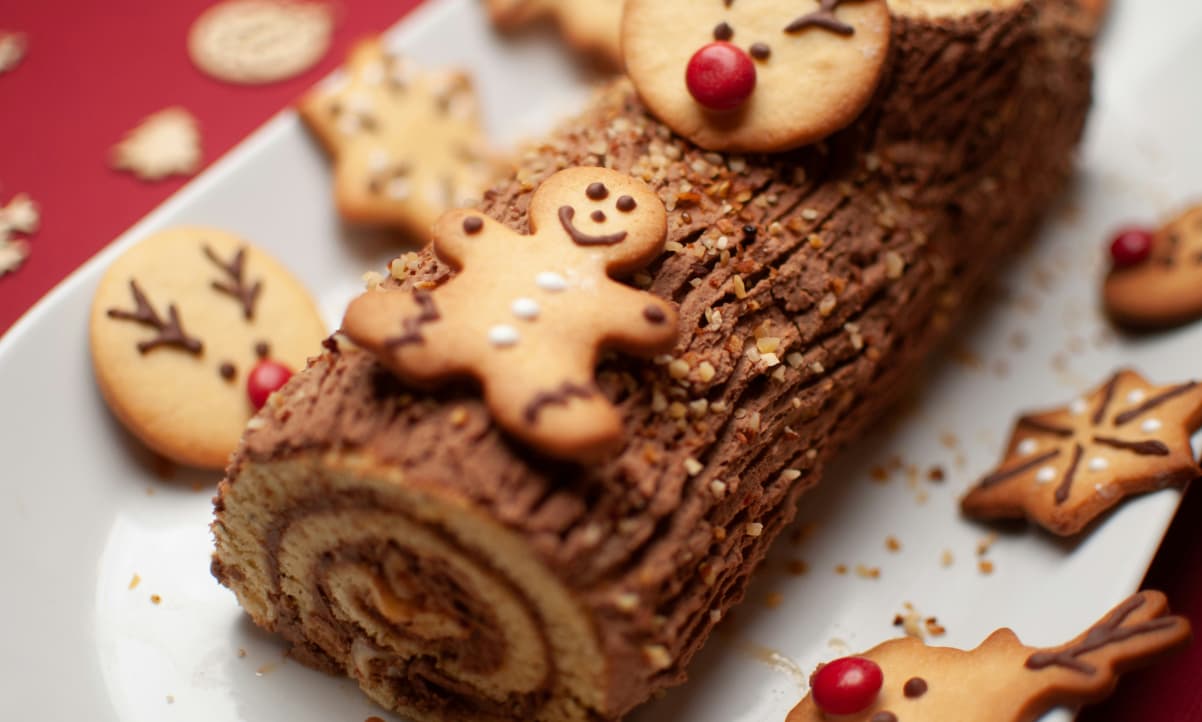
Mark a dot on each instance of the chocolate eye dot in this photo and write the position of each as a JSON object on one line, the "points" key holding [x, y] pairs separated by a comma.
{"points": [[760, 51], [626, 204], [227, 371], [596, 191], [723, 32], [472, 225], [598, 216]]}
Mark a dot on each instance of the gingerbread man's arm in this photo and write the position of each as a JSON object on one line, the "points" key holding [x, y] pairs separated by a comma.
{"points": [[638, 322], [462, 235]]}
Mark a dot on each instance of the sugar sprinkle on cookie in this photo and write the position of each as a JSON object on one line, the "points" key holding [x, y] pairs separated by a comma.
{"points": [[165, 143], [260, 41], [190, 332], [407, 143], [1065, 467], [1002, 680]]}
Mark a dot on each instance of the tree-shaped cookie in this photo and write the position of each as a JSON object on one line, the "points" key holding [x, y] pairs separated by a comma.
{"points": [[407, 144], [526, 315], [1066, 466], [1156, 279], [1002, 680]]}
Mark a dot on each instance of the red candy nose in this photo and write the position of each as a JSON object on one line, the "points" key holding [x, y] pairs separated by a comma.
{"points": [[1131, 247], [720, 76], [266, 377], [846, 686]]}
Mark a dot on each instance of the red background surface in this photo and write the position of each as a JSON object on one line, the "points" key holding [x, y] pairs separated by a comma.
{"points": [[94, 69]]}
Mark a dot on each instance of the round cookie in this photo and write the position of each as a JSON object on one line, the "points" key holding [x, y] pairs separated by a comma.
{"points": [[253, 42], [177, 324], [816, 65], [1165, 289]]}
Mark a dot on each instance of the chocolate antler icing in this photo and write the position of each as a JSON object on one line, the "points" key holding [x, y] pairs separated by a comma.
{"points": [[823, 17], [171, 331], [238, 290], [1110, 630]]}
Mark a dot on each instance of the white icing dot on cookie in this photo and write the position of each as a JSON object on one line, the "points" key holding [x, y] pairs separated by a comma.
{"points": [[525, 308], [1098, 464], [373, 74], [503, 335], [399, 189], [1136, 396], [1046, 475], [1150, 426], [551, 281], [1078, 406], [1026, 447], [377, 160]]}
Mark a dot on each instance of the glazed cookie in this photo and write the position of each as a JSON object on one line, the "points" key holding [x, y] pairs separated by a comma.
{"points": [[755, 75], [260, 41], [1156, 278], [588, 25], [1002, 680], [527, 315], [189, 330], [1064, 467], [407, 144]]}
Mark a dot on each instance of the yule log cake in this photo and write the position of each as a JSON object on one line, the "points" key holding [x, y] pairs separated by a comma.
{"points": [[402, 537]]}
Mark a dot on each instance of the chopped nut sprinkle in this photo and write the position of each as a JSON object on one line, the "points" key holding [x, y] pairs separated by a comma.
{"points": [[946, 559], [827, 305], [985, 567], [627, 601], [657, 656], [867, 572], [892, 544], [693, 466], [894, 265], [754, 529]]}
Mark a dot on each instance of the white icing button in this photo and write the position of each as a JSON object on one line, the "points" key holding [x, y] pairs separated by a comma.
{"points": [[551, 281], [525, 308], [503, 335], [1136, 396], [1046, 475], [1150, 426], [1026, 447], [1078, 406], [399, 189], [1098, 464], [374, 74], [377, 160]]}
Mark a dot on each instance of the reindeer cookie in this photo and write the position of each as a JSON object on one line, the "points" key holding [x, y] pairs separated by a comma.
{"points": [[190, 330], [755, 75], [1002, 680], [1156, 278], [1064, 467], [527, 315], [407, 144]]}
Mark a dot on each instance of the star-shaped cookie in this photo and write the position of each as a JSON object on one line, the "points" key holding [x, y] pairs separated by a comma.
{"points": [[588, 25], [407, 144], [1064, 467]]}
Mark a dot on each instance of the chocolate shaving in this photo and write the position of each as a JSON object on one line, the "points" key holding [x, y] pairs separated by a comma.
{"points": [[412, 326], [1109, 631], [1143, 448], [238, 290], [171, 331], [567, 213], [1133, 414], [1066, 486], [559, 397], [823, 17], [998, 477]]}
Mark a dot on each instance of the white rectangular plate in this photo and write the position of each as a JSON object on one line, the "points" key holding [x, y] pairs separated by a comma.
{"points": [[84, 511]]}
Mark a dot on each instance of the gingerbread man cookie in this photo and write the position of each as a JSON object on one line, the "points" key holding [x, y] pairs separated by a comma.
{"points": [[190, 330], [1156, 277], [1002, 680], [588, 25], [527, 315], [1064, 467], [407, 144], [755, 75]]}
